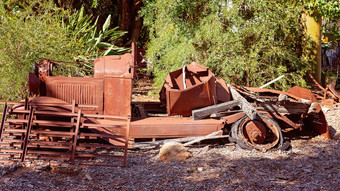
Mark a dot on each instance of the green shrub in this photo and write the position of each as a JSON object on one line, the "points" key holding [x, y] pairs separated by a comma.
{"points": [[41, 30], [245, 42]]}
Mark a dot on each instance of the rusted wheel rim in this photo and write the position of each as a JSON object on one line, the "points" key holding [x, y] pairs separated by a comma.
{"points": [[261, 133], [255, 131]]}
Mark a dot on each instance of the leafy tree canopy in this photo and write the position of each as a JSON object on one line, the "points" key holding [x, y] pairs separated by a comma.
{"points": [[247, 42]]}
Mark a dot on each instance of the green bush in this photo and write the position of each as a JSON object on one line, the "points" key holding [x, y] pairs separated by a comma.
{"points": [[41, 30], [245, 42]]}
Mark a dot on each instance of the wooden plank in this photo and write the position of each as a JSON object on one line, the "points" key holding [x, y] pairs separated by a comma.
{"points": [[291, 108], [246, 107], [207, 111]]}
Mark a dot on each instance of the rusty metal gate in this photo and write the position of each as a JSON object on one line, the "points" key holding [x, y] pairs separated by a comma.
{"points": [[31, 131]]}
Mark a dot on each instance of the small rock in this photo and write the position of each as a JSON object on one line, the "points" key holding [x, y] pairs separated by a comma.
{"points": [[200, 169]]}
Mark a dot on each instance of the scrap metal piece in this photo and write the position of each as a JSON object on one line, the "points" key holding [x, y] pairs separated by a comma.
{"points": [[200, 90], [256, 132], [222, 91], [33, 84], [316, 118]]}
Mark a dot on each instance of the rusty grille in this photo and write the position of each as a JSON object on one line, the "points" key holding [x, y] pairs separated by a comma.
{"points": [[85, 91], [80, 93]]}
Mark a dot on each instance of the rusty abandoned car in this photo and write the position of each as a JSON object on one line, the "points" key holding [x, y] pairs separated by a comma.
{"points": [[73, 117]]}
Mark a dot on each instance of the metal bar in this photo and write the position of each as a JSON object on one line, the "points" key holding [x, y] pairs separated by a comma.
{"points": [[75, 137], [60, 114], [99, 135], [3, 119], [71, 114], [126, 140], [42, 122], [101, 125], [47, 104], [66, 133], [13, 140], [29, 125], [10, 144], [73, 109], [99, 156], [46, 157], [183, 72], [203, 138], [11, 150], [51, 142], [48, 152], [15, 130], [84, 145], [47, 146], [276, 79], [105, 116]]}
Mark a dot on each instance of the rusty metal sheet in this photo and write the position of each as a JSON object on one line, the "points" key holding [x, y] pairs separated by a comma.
{"points": [[33, 84], [169, 127], [121, 66], [161, 127], [196, 91], [302, 93], [262, 90], [117, 96], [85, 91], [315, 119], [222, 91]]}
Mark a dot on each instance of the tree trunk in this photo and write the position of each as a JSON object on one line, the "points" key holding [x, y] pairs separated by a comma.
{"points": [[137, 23], [130, 21], [125, 18]]}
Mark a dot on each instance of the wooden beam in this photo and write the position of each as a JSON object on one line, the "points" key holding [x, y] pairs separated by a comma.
{"points": [[207, 111], [246, 107]]}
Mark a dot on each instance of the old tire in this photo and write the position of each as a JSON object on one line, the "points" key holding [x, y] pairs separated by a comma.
{"points": [[275, 139]]}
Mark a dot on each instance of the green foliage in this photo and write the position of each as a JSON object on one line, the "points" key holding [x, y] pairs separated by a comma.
{"points": [[245, 42], [41, 30], [79, 27], [329, 11]]}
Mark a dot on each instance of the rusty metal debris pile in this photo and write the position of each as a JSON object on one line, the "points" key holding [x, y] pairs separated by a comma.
{"points": [[327, 95], [193, 103]]}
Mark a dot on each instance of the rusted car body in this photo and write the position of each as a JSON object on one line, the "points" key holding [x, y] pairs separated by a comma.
{"points": [[103, 102]]}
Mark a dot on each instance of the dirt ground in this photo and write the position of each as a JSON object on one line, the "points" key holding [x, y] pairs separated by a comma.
{"points": [[311, 164]]}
